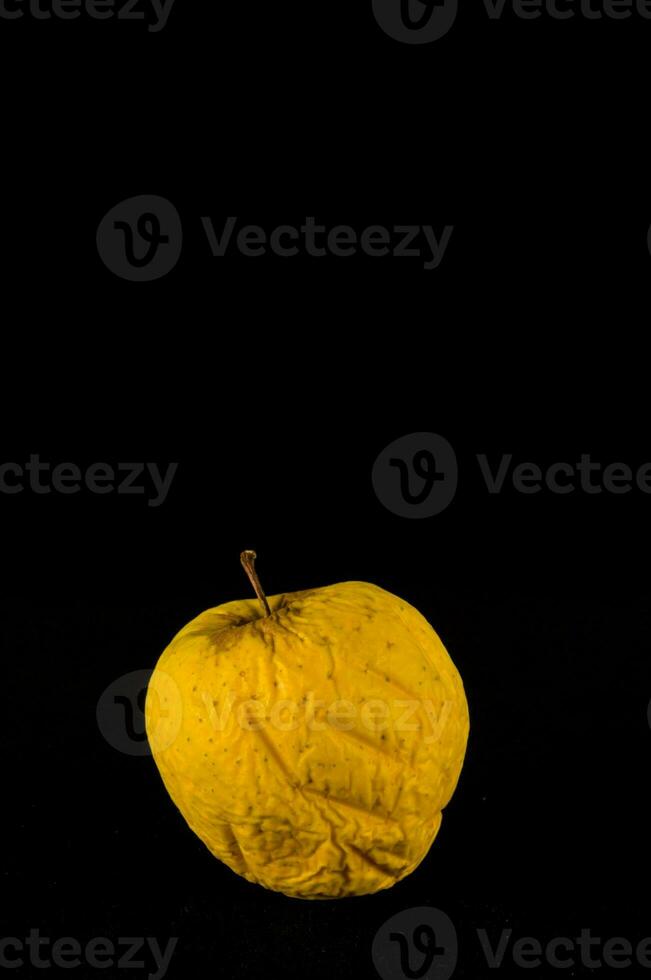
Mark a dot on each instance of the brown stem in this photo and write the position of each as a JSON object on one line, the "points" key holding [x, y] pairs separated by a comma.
{"points": [[248, 563]]}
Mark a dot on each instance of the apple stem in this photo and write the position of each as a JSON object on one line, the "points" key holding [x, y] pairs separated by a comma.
{"points": [[248, 563]]}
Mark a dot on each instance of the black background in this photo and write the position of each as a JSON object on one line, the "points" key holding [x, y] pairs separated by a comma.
{"points": [[275, 384]]}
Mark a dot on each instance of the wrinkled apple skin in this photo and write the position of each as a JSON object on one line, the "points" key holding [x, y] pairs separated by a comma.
{"points": [[311, 750]]}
